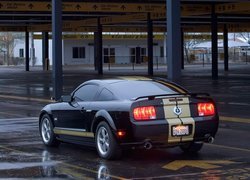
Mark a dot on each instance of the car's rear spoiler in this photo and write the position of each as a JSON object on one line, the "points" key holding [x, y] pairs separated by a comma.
{"points": [[151, 97]]}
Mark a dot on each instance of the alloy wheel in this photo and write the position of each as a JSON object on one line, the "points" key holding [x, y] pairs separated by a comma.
{"points": [[103, 140], [46, 130]]}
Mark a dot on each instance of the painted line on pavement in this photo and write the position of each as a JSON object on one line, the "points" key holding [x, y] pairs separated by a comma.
{"points": [[235, 119], [169, 176], [16, 119], [11, 114], [11, 149], [235, 103], [229, 147], [234, 173], [26, 98], [201, 164]]}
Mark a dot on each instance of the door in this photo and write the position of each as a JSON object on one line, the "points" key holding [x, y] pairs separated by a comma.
{"points": [[74, 115], [138, 55]]}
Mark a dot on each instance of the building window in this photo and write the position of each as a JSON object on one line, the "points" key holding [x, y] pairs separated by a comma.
{"points": [[109, 55], [21, 53], [78, 52]]}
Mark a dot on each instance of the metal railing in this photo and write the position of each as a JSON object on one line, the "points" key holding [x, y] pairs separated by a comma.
{"points": [[131, 62]]}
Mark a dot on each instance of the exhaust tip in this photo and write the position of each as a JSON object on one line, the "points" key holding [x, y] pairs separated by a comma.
{"points": [[210, 140], [148, 145]]}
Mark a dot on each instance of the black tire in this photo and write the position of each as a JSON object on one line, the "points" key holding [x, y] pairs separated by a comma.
{"points": [[106, 144], [192, 147], [46, 131]]}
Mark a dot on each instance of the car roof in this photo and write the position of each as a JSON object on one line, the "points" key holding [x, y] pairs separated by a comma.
{"points": [[117, 80], [120, 85], [107, 82]]}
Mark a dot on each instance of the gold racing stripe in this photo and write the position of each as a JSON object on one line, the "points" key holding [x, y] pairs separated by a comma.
{"points": [[185, 122], [71, 132], [173, 120], [172, 86], [184, 105], [135, 78], [186, 118], [168, 108]]}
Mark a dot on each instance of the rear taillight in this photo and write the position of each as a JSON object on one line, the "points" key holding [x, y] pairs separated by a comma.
{"points": [[144, 113], [206, 109]]}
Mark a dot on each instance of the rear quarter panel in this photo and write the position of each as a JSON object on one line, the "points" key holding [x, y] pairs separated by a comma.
{"points": [[118, 110]]}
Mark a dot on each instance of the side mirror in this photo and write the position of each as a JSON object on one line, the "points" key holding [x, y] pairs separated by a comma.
{"points": [[66, 98]]}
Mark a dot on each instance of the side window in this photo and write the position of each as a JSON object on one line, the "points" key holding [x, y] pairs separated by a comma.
{"points": [[86, 93], [105, 95]]}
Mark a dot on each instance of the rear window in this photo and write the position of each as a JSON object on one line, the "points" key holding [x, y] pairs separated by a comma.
{"points": [[133, 89]]}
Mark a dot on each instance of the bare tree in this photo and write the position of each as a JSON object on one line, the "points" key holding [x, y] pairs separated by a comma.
{"points": [[7, 45], [245, 36], [189, 43]]}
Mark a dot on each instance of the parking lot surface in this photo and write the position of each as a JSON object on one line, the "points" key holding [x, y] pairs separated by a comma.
{"points": [[22, 154]]}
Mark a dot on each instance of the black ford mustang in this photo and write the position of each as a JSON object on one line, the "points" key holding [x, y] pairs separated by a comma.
{"points": [[116, 114]]}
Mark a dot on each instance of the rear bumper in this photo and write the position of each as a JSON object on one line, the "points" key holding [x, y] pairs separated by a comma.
{"points": [[157, 132]]}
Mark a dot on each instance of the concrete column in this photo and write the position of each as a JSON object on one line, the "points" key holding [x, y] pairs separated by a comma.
{"points": [[225, 39], [165, 48], [150, 45], [57, 48], [95, 50], [27, 51], [32, 50], [182, 48], [214, 30], [99, 47], [45, 50], [174, 39]]}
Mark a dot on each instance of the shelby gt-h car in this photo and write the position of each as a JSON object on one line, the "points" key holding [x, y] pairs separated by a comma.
{"points": [[116, 114]]}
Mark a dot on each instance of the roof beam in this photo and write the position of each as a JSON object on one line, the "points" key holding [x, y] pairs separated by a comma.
{"points": [[35, 6], [79, 7], [237, 27], [129, 36], [233, 7]]}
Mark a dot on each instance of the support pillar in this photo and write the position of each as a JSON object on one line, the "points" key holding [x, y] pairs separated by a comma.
{"points": [[27, 52], [174, 39], [150, 45], [57, 49], [182, 48], [99, 47], [165, 49], [32, 50], [225, 39], [95, 50], [214, 30], [45, 50]]}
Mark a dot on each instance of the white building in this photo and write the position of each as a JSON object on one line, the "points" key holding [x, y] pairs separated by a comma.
{"points": [[79, 49]]}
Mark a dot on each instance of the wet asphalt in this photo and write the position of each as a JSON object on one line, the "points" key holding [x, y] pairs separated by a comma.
{"points": [[22, 154]]}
